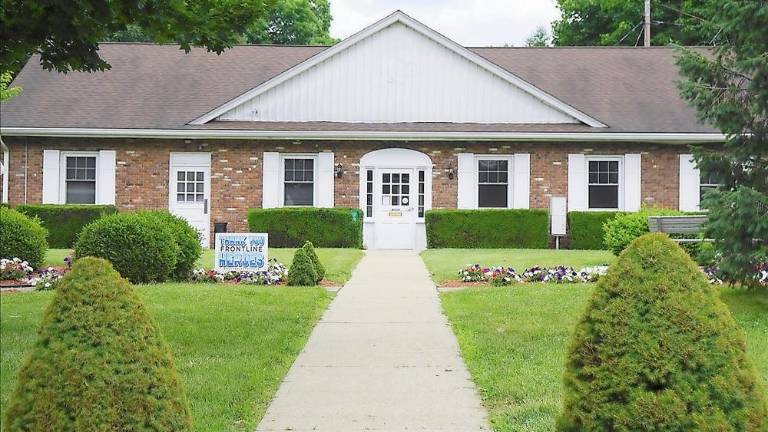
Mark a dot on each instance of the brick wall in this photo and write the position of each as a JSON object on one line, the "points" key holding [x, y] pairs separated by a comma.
{"points": [[142, 169]]}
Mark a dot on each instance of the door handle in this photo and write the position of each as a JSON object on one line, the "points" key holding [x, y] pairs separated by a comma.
{"points": [[205, 206]]}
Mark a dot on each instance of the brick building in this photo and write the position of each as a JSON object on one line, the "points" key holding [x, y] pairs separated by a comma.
{"points": [[397, 119]]}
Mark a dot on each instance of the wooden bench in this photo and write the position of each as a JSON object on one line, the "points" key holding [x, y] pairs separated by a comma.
{"points": [[678, 225]]}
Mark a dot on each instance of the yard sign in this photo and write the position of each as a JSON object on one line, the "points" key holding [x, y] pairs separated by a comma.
{"points": [[241, 252]]}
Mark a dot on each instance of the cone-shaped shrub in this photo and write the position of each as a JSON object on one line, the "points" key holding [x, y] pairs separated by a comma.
{"points": [[309, 248], [302, 271], [99, 363], [656, 350]]}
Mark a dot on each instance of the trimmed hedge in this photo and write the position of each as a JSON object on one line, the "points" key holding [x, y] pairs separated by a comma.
{"points": [[657, 350], [585, 229], [138, 247], [621, 230], [65, 221], [324, 227], [99, 362], [514, 228], [186, 238], [22, 237]]}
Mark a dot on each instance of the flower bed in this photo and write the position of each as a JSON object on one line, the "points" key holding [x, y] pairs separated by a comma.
{"points": [[14, 269], [500, 276], [275, 275], [16, 273]]}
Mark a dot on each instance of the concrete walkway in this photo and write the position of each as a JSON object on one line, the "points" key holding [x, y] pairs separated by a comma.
{"points": [[383, 357]]}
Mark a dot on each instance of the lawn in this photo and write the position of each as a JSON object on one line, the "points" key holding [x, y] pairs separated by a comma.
{"points": [[232, 344], [338, 263], [443, 264], [514, 340]]}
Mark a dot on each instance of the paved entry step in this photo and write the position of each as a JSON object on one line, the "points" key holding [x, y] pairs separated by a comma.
{"points": [[383, 357]]}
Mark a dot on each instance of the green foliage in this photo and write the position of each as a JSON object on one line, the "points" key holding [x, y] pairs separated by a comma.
{"points": [[729, 89], [309, 248], [302, 271], [7, 93], [658, 350], [488, 228], [186, 238], [619, 22], [66, 33], [22, 237], [99, 362], [286, 22], [585, 229], [324, 227], [140, 249], [65, 221], [622, 229]]}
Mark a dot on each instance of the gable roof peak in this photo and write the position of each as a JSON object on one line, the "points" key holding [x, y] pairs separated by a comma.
{"points": [[398, 16]]}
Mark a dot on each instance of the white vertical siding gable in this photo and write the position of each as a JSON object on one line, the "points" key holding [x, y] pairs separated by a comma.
{"points": [[397, 74]]}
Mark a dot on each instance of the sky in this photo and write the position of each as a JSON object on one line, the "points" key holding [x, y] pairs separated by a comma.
{"points": [[468, 22]]}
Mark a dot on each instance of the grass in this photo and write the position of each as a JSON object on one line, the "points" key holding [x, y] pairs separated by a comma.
{"points": [[443, 264], [514, 342], [232, 344], [338, 263]]}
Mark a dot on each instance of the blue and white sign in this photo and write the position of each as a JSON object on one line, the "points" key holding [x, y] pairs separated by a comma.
{"points": [[241, 252]]}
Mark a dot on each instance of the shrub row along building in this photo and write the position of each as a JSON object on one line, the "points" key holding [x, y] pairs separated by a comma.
{"points": [[395, 120]]}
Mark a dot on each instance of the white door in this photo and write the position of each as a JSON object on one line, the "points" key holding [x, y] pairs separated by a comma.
{"points": [[190, 186], [395, 209]]}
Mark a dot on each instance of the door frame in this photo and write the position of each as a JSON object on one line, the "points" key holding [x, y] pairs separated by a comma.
{"points": [[194, 160], [394, 158]]}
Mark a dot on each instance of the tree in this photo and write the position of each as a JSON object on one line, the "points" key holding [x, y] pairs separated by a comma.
{"points": [[66, 33], [619, 22], [657, 350], [728, 86], [99, 362], [287, 22], [7, 93], [539, 38]]}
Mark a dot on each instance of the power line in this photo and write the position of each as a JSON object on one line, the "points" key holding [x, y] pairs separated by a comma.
{"points": [[629, 32]]}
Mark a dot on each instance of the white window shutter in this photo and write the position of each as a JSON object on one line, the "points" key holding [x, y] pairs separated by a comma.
{"points": [[689, 184], [51, 178], [632, 182], [521, 183], [577, 182], [467, 190], [324, 180], [270, 193], [105, 185]]}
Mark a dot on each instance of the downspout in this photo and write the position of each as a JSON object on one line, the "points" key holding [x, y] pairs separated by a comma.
{"points": [[6, 169]]}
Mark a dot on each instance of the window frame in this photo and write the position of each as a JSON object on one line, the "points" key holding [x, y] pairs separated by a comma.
{"points": [[510, 159], [621, 182], [286, 156], [63, 155], [705, 185]]}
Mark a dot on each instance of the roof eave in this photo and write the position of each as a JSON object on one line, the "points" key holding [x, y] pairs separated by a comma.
{"points": [[655, 137]]}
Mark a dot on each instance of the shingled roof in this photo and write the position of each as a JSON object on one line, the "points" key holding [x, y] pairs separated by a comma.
{"points": [[631, 90]]}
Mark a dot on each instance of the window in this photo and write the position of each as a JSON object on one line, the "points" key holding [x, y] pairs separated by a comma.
{"points": [[369, 193], [421, 193], [603, 184], [80, 180], [493, 183], [190, 186], [395, 189], [299, 181], [707, 181]]}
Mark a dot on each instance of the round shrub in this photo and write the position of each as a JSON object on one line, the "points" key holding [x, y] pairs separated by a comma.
{"points": [[621, 230], [309, 248], [99, 363], [186, 238], [657, 350], [22, 237], [302, 272], [140, 249]]}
